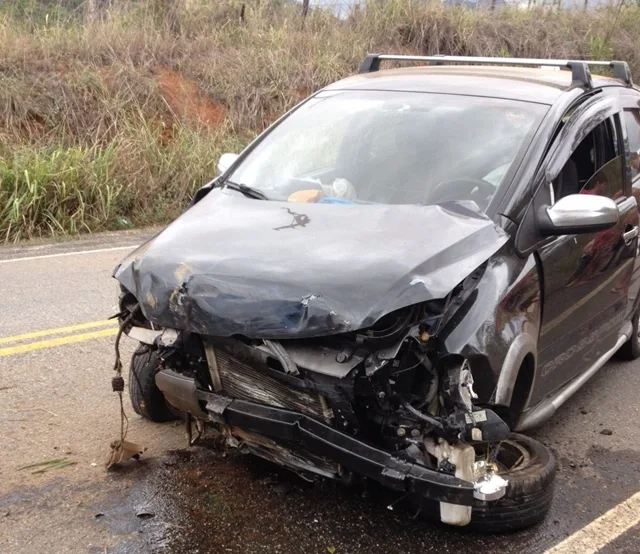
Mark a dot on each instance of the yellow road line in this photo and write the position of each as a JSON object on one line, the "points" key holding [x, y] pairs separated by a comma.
{"points": [[600, 532], [60, 331], [60, 341]]}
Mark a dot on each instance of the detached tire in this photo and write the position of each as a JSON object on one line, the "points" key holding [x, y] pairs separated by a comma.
{"points": [[529, 493], [146, 398]]}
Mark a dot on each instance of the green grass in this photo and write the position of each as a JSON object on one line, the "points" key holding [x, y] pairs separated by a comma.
{"points": [[52, 191], [56, 191], [106, 123]]}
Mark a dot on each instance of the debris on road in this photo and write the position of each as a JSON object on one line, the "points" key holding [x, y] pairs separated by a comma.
{"points": [[42, 467], [121, 451], [34, 410], [607, 432], [30, 466]]}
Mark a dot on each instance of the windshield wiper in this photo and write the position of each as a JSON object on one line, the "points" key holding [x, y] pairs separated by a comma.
{"points": [[246, 190]]}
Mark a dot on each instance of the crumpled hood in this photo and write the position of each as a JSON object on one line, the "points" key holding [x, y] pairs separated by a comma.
{"points": [[265, 269]]}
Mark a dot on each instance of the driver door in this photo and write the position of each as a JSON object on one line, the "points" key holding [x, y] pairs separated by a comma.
{"points": [[586, 277]]}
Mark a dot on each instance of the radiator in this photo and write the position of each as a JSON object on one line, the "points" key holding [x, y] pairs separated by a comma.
{"points": [[240, 380]]}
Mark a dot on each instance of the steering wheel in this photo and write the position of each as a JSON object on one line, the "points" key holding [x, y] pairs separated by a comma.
{"points": [[463, 189]]}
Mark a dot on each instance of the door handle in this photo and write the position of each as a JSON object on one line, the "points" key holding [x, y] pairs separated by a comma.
{"points": [[629, 235]]}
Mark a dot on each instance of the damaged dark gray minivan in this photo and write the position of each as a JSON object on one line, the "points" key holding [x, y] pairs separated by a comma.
{"points": [[399, 273]]}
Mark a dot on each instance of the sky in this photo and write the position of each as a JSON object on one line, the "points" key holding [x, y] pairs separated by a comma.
{"points": [[341, 7]]}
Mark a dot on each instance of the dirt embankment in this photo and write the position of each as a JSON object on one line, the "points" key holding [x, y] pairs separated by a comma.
{"points": [[116, 122], [186, 99]]}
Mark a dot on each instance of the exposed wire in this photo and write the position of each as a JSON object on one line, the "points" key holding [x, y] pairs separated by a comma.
{"points": [[431, 420], [117, 365], [118, 382], [124, 420], [283, 357], [397, 500]]}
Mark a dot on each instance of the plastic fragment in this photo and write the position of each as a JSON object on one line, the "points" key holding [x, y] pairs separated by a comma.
{"points": [[121, 451]]}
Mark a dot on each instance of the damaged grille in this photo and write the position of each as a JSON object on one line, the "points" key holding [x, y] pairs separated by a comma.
{"points": [[241, 381]]}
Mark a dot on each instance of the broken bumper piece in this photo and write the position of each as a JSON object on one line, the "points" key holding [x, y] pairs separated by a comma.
{"points": [[390, 470]]}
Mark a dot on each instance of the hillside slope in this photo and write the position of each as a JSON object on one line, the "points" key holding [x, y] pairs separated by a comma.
{"points": [[115, 123]]}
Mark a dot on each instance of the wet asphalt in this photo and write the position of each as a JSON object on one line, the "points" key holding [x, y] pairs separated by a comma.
{"points": [[56, 403]]}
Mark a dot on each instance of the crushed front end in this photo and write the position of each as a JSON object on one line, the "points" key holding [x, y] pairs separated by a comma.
{"points": [[322, 349], [386, 402]]}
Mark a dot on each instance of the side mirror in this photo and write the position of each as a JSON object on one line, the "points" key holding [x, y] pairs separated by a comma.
{"points": [[226, 161], [578, 213]]}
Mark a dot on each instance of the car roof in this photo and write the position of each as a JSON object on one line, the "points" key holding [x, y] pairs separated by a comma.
{"points": [[540, 85]]}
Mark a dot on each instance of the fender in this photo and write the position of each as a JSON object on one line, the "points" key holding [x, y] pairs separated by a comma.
{"points": [[499, 326]]}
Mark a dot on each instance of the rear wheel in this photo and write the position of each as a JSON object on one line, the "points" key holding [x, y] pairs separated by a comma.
{"points": [[530, 469], [630, 350], [146, 398]]}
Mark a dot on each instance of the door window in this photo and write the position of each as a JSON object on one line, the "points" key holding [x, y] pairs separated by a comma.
{"points": [[595, 166], [632, 122]]}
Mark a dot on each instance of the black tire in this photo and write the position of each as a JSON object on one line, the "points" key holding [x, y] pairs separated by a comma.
{"points": [[146, 398], [630, 350], [528, 496]]}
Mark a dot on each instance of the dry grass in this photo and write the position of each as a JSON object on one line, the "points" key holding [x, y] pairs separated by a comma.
{"points": [[118, 122]]}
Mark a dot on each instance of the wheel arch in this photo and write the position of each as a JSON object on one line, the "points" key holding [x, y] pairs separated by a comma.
{"points": [[518, 366]]}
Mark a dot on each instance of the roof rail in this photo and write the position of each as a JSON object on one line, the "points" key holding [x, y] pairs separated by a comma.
{"points": [[579, 68]]}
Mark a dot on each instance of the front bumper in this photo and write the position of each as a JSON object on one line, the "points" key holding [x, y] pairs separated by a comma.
{"points": [[392, 471], [319, 438]]}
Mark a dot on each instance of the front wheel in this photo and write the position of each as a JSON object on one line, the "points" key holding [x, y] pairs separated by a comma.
{"points": [[146, 398], [530, 469]]}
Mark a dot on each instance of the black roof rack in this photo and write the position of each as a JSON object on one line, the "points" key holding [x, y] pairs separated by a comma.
{"points": [[579, 68]]}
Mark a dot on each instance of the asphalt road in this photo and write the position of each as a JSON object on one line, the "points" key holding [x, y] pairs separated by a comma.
{"points": [[56, 356]]}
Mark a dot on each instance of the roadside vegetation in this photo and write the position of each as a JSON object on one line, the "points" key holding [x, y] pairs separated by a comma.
{"points": [[114, 122]]}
